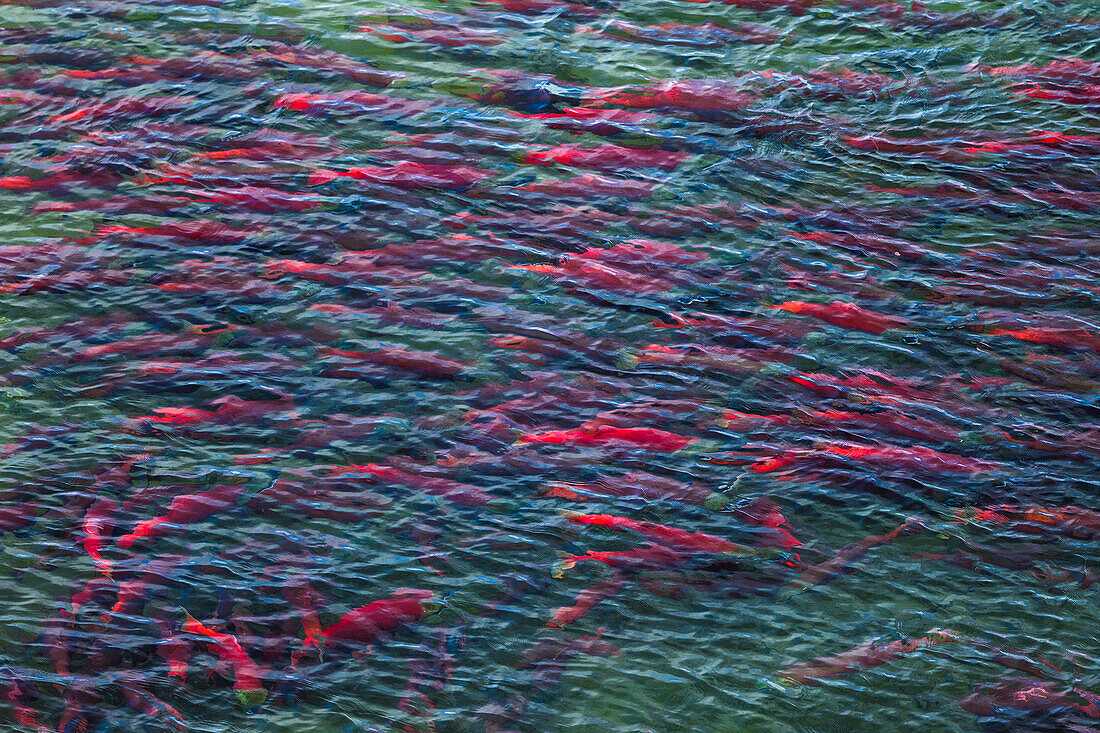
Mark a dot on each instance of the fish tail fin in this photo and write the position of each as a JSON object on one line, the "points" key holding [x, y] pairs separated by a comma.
{"points": [[191, 625], [567, 562]]}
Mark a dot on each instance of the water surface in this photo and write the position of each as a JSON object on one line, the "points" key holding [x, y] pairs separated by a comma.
{"points": [[411, 284]]}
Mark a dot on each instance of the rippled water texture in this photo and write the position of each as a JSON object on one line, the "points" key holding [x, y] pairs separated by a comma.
{"points": [[533, 365]]}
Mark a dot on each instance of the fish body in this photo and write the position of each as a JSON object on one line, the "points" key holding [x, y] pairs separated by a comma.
{"points": [[674, 537], [838, 564], [249, 675], [185, 509], [367, 623], [601, 435], [864, 656], [98, 524]]}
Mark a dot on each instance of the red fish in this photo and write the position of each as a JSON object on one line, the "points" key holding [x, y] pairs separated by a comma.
{"points": [[1027, 694], [865, 656], [548, 6], [868, 383], [586, 600], [351, 103], [298, 592], [643, 252], [154, 494], [603, 122], [277, 150], [283, 55], [450, 36], [367, 623], [1041, 142], [224, 363], [765, 514], [892, 422], [205, 174], [140, 699], [956, 193], [230, 410], [598, 275], [63, 282], [1072, 521], [867, 243], [14, 691], [256, 198], [18, 516], [698, 95], [607, 158], [30, 100], [144, 70], [639, 485], [185, 509], [1050, 371], [174, 650], [946, 22], [213, 232], [644, 413], [338, 496], [454, 248], [98, 590], [678, 539], [650, 557], [914, 458], [795, 7], [390, 313], [1061, 71], [558, 223], [116, 204], [423, 363], [148, 577], [249, 675], [847, 315], [355, 267], [99, 521], [409, 176], [61, 180], [588, 185], [320, 433], [838, 564], [1064, 198], [603, 435], [717, 358], [459, 493], [548, 656], [861, 285], [1066, 338], [121, 108], [782, 330], [1087, 95], [564, 346], [38, 436]]}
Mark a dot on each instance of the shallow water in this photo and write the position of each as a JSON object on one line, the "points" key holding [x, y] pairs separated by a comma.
{"points": [[415, 332]]}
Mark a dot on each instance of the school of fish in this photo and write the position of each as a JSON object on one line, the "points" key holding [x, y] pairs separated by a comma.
{"points": [[549, 365]]}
